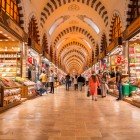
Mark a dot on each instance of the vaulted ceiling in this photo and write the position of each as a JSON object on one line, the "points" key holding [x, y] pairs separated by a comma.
{"points": [[74, 28]]}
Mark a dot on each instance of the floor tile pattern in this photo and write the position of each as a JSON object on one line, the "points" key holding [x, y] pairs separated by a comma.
{"points": [[71, 116]]}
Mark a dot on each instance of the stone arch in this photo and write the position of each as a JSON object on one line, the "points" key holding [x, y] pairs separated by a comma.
{"points": [[97, 50], [45, 45], [21, 12], [33, 29], [133, 11], [73, 43], [104, 44], [115, 16], [74, 29], [53, 5]]}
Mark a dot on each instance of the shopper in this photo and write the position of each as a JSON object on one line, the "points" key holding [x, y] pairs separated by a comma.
{"points": [[67, 81], [75, 83], [40, 88], [87, 79], [112, 73], [81, 82], [104, 83], [51, 81], [43, 78], [119, 83], [93, 85]]}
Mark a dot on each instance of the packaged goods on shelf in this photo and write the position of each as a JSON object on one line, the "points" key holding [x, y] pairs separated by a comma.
{"points": [[10, 91], [29, 89], [24, 81], [8, 82]]}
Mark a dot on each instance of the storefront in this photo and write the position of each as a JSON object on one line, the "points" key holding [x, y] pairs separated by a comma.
{"points": [[103, 62], [12, 43], [45, 65], [117, 56], [33, 65], [132, 37]]}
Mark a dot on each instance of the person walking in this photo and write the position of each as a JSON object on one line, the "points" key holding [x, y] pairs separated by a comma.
{"points": [[81, 82], [119, 83], [87, 80], [75, 83], [51, 81], [103, 85], [93, 85], [67, 80]]}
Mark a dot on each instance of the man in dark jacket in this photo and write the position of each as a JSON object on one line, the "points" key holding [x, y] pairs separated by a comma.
{"points": [[67, 80], [81, 82]]}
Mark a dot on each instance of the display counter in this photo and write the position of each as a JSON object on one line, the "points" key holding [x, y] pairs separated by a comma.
{"points": [[10, 96], [28, 88]]}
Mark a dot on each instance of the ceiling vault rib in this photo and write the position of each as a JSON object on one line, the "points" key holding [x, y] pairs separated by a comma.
{"points": [[52, 5]]}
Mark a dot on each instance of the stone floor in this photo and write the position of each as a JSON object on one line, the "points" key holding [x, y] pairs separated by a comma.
{"points": [[71, 116]]}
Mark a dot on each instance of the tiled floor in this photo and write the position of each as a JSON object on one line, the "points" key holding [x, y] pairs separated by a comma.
{"points": [[71, 116]]}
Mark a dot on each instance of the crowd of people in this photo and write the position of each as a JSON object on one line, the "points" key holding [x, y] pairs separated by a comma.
{"points": [[78, 82], [97, 83]]}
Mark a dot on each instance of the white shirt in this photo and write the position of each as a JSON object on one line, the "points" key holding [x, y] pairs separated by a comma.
{"points": [[51, 79], [75, 80], [39, 85]]}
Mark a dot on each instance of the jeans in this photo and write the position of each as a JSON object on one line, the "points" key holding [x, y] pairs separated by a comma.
{"points": [[75, 86], [119, 86], [41, 91], [67, 85], [52, 87], [80, 84]]}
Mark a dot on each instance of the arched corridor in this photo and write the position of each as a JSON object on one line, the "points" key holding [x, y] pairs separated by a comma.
{"points": [[70, 116], [90, 44]]}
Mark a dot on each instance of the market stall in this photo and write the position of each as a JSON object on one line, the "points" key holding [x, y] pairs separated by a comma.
{"points": [[28, 88], [33, 65], [10, 93], [132, 37], [10, 59]]}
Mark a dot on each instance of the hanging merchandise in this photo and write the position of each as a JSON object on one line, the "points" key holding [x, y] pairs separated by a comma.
{"points": [[33, 65]]}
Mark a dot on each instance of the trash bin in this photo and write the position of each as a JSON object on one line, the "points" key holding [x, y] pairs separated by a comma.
{"points": [[132, 88], [125, 90]]}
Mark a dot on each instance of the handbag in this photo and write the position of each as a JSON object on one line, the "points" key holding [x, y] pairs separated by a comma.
{"points": [[99, 91], [88, 93]]}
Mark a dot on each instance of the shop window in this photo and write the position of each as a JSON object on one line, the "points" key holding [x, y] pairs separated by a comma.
{"points": [[133, 11], [116, 28], [33, 30], [103, 44], [45, 44], [11, 9]]}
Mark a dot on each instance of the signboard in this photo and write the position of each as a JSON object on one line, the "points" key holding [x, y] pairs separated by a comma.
{"points": [[132, 29]]}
